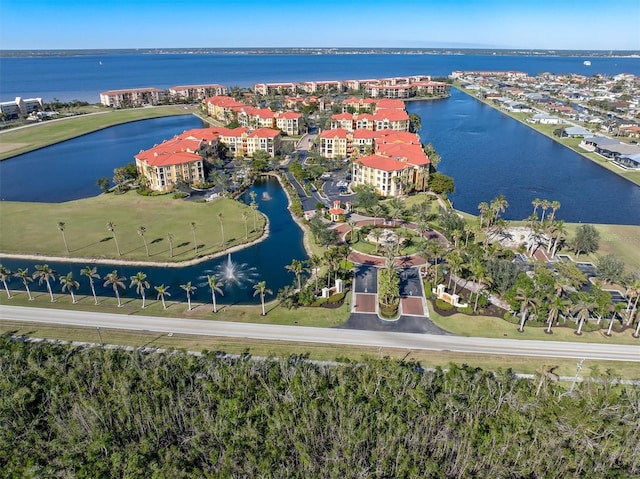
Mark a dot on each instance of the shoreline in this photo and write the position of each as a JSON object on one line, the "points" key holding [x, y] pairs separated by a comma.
{"points": [[532, 126]]}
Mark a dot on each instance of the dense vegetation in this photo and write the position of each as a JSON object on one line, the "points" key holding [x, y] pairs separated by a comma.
{"points": [[89, 412]]}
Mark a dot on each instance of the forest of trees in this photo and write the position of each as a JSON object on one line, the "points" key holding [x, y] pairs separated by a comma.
{"points": [[80, 412]]}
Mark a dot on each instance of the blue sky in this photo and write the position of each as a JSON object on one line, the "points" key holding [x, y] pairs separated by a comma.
{"points": [[517, 24]]}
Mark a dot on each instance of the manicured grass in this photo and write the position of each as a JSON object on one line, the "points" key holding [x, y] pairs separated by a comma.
{"points": [[492, 327], [22, 140], [31, 228]]}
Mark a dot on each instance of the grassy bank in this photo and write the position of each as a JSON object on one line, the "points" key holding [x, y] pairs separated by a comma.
{"points": [[21, 140], [31, 228], [571, 143]]}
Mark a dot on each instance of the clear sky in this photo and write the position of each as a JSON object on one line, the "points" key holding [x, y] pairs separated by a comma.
{"points": [[511, 24]]}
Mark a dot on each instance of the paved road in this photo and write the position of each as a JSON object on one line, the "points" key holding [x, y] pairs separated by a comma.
{"points": [[614, 352]]}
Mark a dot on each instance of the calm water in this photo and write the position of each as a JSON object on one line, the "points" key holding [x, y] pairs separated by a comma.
{"points": [[264, 261], [69, 170], [84, 77], [488, 153]]}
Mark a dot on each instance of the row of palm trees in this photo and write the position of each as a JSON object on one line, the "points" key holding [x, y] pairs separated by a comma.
{"points": [[44, 274]]}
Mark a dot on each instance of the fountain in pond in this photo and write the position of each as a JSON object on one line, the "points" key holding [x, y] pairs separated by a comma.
{"points": [[233, 274]]}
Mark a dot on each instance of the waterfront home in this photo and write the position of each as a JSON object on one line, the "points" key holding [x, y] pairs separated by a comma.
{"points": [[132, 97], [196, 92], [629, 161], [20, 106], [545, 119], [166, 164]]}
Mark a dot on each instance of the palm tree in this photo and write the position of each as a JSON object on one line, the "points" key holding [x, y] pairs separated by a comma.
{"points": [[91, 272], [189, 288], [377, 211], [536, 204], [615, 310], [456, 263], [377, 234], [141, 284], [261, 289], [46, 274], [396, 209], [583, 310], [315, 262], [484, 208], [64, 238], [545, 205], [527, 300], [5, 277], [69, 284], [170, 239], [296, 267], [221, 228], [162, 292], [245, 218], [115, 281], [215, 286], [556, 306], [26, 278], [195, 240], [555, 206], [141, 231], [254, 207], [633, 292], [112, 228]]}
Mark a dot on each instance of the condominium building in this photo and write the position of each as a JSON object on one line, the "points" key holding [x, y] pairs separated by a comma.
{"points": [[132, 97]]}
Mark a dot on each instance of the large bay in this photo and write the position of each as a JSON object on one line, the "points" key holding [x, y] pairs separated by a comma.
{"points": [[83, 77]]}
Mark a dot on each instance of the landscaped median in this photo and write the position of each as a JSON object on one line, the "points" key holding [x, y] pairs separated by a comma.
{"points": [[170, 226]]}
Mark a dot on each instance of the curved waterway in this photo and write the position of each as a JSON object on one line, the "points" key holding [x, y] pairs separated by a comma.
{"points": [[489, 153], [70, 170], [264, 261]]}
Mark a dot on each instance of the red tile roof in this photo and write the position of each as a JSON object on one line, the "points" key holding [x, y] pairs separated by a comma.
{"points": [[382, 163], [264, 133], [335, 133], [389, 103]]}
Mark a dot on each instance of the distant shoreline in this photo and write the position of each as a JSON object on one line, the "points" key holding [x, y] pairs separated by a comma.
{"points": [[322, 51]]}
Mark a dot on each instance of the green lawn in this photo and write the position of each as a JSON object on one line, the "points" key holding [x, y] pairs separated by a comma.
{"points": [[31, 228], [16, 141], [492, 327]]}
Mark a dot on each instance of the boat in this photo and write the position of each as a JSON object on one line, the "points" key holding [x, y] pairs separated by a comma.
{"points": [[587, 63]]}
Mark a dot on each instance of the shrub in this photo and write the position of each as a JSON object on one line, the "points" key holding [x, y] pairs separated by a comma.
{"points": [[336, 298], [443, 305], [467, 310]]}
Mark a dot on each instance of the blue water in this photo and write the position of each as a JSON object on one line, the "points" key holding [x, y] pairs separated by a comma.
{"points": [[488, 153], [70, 170], [84, 77], [265, 261]]}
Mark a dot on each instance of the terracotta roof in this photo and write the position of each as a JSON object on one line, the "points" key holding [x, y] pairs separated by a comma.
{"points": [[391, 115], [204, 134], [382, 163], [224, 101], [342, 116], [264, 133], [389, 103], [411, 153], [289, 115], [167, 159], [393, 136], [335, 133], [362, 133]]}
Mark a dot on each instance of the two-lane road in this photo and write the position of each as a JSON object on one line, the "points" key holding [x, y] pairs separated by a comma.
{"points": [[508, 347]]}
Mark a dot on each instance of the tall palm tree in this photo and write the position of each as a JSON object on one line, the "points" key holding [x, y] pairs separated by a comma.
{"points": [[189, 288], [528, 301], [26, 278], [221, 228], [296, 267], [396, 209], [632, 293], [377, 234], [254, 207], [484, 208], [216, 287], [245, 218], [91, 272], [536, 204], [555, 206], [455, 261], [5, 277], [170, 239], [112, 228], [141, 284], [116, 282], [69, 284], [556, 306], [315, 263], [141, 231], [545, 205], [64, 238], [261, 289], [195, 240], [583, 309], [162, 291], [616, 309], [377, 211], [45, 274]]}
